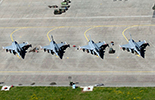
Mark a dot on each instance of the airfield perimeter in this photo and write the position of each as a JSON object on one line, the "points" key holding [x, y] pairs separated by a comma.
{"points": [[104, 20]]}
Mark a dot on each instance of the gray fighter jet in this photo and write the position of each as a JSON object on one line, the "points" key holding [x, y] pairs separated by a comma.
{"points": [[94, 48], [16, 48], [137, 47], [55, 48]]}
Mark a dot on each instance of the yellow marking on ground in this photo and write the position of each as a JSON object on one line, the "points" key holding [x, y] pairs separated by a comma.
{"points": [[117, 57], [14, 32], [56, 27], [67, 57], [86, 32], [132, 27], [51, 31], [103, 26], [18, 56]]}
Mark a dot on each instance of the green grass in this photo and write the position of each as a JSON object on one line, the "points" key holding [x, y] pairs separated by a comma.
{"points": [[67, 93]]}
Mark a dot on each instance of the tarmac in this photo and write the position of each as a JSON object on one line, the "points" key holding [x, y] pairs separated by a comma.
{"points": [[113, 20]]}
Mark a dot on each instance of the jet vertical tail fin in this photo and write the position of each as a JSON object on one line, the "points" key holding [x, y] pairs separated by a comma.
{"points": [[130, 36], [52, 37], [89, 37]]}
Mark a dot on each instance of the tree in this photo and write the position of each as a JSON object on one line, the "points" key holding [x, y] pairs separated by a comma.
{"points": [[153, 7]]}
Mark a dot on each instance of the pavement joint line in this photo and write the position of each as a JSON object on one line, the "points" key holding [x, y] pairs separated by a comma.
{"points": [[92, 17], [77, 26], [69, 26], [77, 71]]}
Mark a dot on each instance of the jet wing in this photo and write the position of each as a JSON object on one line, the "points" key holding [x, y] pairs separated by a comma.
{"points": [[9, 47], [61, 44], [125, 46], [23, 44], [86, 47], [46, 47], [141, 43], [100, 44]]}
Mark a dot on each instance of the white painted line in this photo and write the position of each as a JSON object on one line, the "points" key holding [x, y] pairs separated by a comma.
{"points": [[95, 17]]}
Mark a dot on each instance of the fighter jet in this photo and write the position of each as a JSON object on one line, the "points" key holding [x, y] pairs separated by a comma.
{"points": [[55, 48], [16, 48], [94, 48], [136, 47]]}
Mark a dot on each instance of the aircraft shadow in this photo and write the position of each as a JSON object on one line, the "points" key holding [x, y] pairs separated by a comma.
{"points": [[153, 14], [143, 53], [24, 50], [102, 51], [63, 48], [102, 54], [143, 49]]}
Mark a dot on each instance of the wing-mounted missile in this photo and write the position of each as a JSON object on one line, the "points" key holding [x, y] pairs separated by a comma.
{"points": [[91, 51], [11, 51], [83, 50], [132, 50], [87, 50], [14, 52], [49, 51], [128, 49]]}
